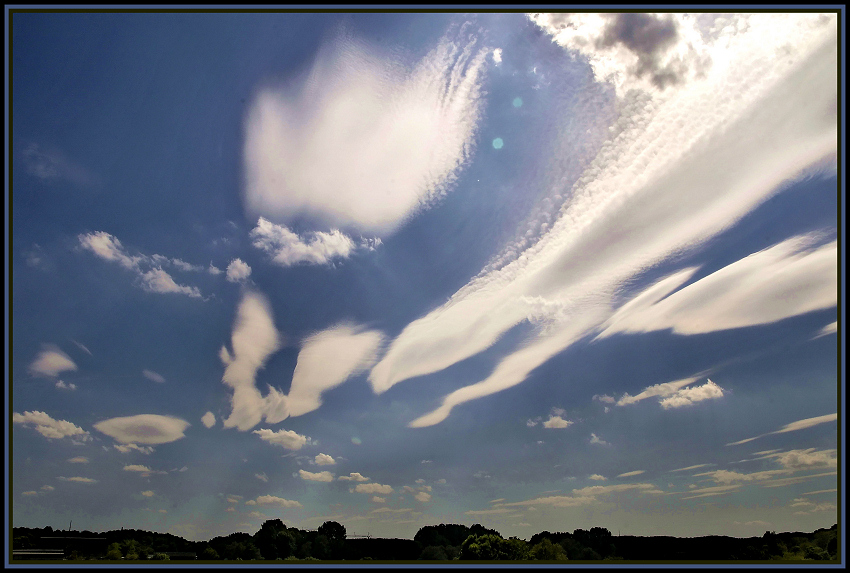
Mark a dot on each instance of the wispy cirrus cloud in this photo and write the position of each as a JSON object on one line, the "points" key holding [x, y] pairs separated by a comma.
{"points": [[650, 195], [51, 164], [153, 376], [365, 139], [792, 427]]}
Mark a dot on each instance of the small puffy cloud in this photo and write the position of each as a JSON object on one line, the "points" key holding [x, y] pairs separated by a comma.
{"points": [[630, 474], [143, 470], [531, 423], [153, 376], [373, 488], [376, 499], [262, 477], [63, 386], [51, 361], [557, 422], [272, 500], [148, 493], [51, 488], [594, 439], [213, 270], [324, 460], [28, 493], [497, 55], [367, 139], [208, 420], [658, 390], [143, 429], [422, 496], [597, 477], [238, 271], [793, 427], [287, 248], [77, 479], [320, 476], [50, 428], [604, 398], [230, 509], [354, 476], [127, 448], [78, 460], [689, 396], [285, 438]]}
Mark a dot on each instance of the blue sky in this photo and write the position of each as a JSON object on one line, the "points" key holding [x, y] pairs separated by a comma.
{"points": [[539, 272]]}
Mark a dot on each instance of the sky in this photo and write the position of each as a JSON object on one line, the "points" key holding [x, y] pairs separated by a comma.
{"points": [[534, 271]]}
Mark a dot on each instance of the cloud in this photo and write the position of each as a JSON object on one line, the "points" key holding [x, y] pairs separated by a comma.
{"points": [[727, 477], [254, 339], [604, 398], [82, 347], [474, 513], [805, 459], [144, 471], [324, 460], [691, 468], [77, 479], [831, 328], [238, 271], [153, 376], [649, 195], [52, 165], [326, 360], [320, 476], [127, 448], [584, 496], [793, 427], [262, 477], [208, 420], [376, 499], [389, 510], [148, 493], [557, 422], [148, 269], [51, 361], [78, 460], [51, 488], [365, 139], [354, 476], [272, 500], [50, 428], [63, 386], [594, 439], [689, 396], [630, 474], [422, 496], [660, 390], [712, 491], [287, 249], [143, 429], [286, 438], [213, 270], [373, 488], [597, 477], [29, 493], [497, 55]]}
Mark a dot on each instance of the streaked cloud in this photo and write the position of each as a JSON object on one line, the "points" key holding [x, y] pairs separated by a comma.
{"points": [[319, 476], [51, 361], [78, 460], [153, 376], [630, 474], [793, 427], [691, 468], [367, 138], [831, 328], [285, 438], [143, 429], [50, 428], [584, 496]]}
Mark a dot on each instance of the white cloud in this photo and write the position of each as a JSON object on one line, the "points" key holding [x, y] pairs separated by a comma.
{"points": [[324, 460], [376, 499], [594, 439], [143, 429], [208, 420], [153, 376], [63, 386], [127, 448], [82, 347], [287, 438], [51, 488], [373, 488], [238, 271], [262, 477], [630, 474], [389, 510], [354, 476], [319, 476], [585, 496], [793, 427], [78, 460], [51, 361], [154, 279], [50, 428], [365, 139], [213, 270], [604, 398], [689, 396], [660, 390], [287, 249], [831, 328], [272, 500], [597, 477], [422, 496], [497, 55], [326, 360], [690, 468], [651, 193], [254, 339], [557, 422], [78, 479], [804, 459]]}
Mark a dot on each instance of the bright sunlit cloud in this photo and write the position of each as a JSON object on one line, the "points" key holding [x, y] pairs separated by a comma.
{"points": [[51, 361], [143, 429], [793, 427], [50, 428]]}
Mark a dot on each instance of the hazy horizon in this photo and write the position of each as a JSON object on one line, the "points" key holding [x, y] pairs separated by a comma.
{"points": [[533, 271]]}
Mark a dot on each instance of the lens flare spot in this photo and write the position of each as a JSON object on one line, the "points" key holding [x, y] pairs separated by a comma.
{"points": [[498, 143], [517, 102]]}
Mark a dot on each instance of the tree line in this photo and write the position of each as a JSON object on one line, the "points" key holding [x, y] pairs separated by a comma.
{"points": [[445, 542]]}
